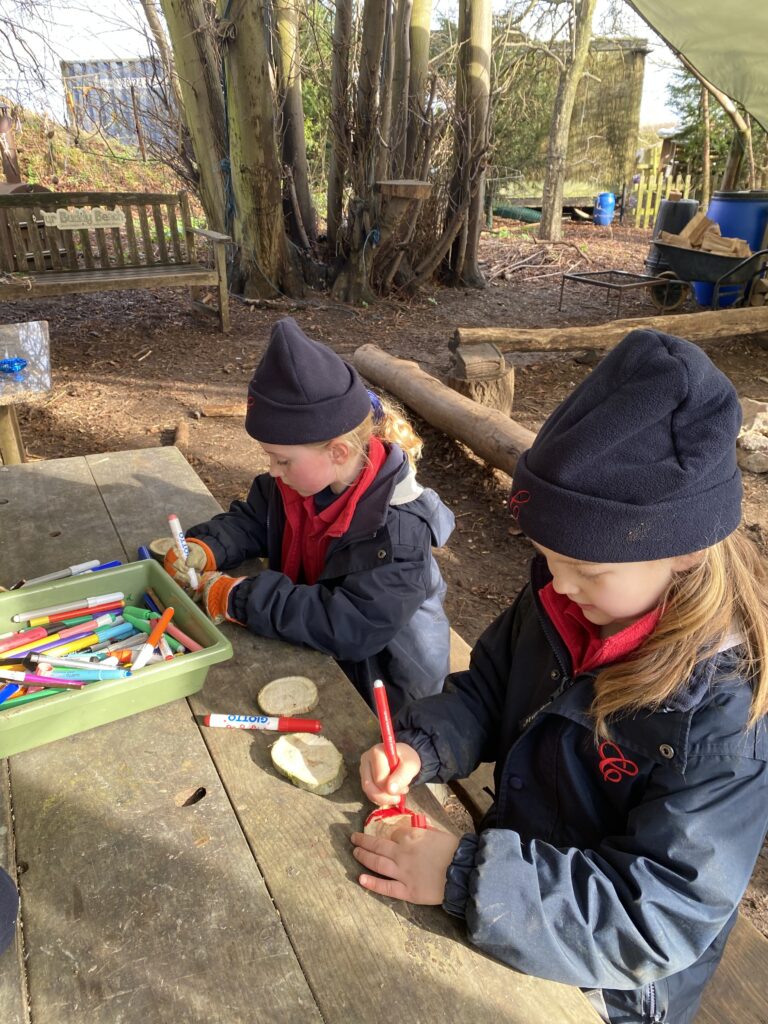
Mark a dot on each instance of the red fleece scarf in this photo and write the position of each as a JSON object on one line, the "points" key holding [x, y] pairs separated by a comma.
{"points": [[309, 532], [582, 638]]}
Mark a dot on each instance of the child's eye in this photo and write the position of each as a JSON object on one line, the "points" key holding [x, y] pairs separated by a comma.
{"points": [[282, 462]]}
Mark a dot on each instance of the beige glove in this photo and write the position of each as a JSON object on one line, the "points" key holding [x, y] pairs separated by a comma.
{"points": [[200, 559]]}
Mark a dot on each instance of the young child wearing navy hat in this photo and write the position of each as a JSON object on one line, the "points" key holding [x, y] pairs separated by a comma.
{"points": [[622, 697], [346, 527]]}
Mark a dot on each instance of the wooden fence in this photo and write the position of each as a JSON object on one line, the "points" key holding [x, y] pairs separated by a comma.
{"points": [[646, 194]]}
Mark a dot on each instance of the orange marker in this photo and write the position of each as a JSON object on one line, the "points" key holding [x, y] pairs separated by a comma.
{"points": [[146, 652]]}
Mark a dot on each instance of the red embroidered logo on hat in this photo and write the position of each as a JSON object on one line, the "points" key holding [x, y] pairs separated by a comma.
{"points": [[613, 765], [516, 499], [250, 401]]}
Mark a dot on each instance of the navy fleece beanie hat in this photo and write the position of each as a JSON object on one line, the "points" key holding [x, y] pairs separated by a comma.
{"points": [[639, 462], [302, 392]]}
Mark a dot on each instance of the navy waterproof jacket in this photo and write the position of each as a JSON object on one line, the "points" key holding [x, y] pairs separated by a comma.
{"points": [[616, 866], [377, 607]]}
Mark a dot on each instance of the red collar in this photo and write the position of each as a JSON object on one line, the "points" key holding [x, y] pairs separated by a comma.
{"points": [[587, 648], [308, 533]]}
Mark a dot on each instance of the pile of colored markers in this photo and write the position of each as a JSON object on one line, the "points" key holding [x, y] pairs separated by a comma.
{"points": [[68, 646]]}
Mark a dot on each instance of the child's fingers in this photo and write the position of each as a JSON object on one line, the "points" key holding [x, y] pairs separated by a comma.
{"points": [[384, 886]]}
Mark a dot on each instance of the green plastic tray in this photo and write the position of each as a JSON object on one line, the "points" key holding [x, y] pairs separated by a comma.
{"points": [[65, 714]]}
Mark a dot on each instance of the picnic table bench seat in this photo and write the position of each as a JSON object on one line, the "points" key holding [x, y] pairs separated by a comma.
{"points": [[738, 992], [66, 243]]}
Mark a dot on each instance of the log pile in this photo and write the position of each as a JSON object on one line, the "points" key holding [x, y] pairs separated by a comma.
{"points": [[702, 233]]}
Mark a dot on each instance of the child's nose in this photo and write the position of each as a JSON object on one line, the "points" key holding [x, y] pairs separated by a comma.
{"points": [[564, 584]]}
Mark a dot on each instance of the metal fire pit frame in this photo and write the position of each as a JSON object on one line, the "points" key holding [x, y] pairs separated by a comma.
{"points": [[618, 281]]}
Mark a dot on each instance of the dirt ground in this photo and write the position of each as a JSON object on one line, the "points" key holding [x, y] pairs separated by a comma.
{"points": [[134, 369]]}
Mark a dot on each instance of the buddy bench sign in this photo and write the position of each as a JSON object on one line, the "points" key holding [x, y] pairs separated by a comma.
{"points": [[85, 217]]}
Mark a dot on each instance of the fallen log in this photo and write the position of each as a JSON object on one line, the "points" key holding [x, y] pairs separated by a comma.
{"points": [[717, 323], [238, 409], [491, 434]]}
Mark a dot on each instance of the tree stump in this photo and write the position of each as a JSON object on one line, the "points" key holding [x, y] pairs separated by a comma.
{"points": [[480, 372]]}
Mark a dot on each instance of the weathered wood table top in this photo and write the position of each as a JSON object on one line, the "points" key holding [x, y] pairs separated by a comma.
{"points": [[242, 907]]}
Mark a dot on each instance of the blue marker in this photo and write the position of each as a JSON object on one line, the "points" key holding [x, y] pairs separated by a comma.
{"points": [[8, 691], [143, 552], [106, 565]]}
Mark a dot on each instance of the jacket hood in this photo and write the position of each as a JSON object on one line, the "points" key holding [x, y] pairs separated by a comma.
{"points": [[396, 484]]}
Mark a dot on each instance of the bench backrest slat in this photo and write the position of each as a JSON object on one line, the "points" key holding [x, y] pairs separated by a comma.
{"points": [[85, 248], [19, 244], [29, 245], [146, 234], [7, 248], [157, 216], [175, 239], [117, 246], [31, 232]]}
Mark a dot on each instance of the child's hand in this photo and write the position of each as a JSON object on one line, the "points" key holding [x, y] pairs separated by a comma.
{"points": [[414, 862], [378, 784], [200, 559]]}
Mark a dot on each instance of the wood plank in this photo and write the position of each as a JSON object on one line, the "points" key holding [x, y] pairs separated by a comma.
{"points": [[51, 243], [189, 234], [117, 246], [157, 216], [11, 444], [13, 982], [720, 323], [19, 243], [161, 914], [7, 260], [32, 232], [101, 244], [54, 200], [739, 990], [68, 241], [352, 947], [85, 247], [117, 279], [130, 234], [170, 211], [146, 234]]}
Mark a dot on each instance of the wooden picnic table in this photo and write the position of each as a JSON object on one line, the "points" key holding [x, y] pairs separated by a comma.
{"points": [[167, 873]]}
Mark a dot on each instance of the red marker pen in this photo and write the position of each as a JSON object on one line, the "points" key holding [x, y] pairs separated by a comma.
{"points": [[263, 722]]}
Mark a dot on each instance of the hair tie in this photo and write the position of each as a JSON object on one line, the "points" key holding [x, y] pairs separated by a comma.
{"points": [[378, 408]]}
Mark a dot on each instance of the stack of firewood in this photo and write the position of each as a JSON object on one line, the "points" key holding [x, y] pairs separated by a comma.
{"points": [[702, 233]]}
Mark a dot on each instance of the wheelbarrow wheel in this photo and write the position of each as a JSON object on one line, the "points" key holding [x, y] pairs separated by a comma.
{"points": [[669, 296]]}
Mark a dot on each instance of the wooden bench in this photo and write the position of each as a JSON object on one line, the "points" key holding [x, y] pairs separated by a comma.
{"points": [[67, 243], [738, 992]]}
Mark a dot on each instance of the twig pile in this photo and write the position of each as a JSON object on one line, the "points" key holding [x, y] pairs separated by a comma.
{"points": [[532, 259]]}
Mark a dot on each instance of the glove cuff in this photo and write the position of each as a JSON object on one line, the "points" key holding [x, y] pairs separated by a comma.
{"points": [[216, 598]]}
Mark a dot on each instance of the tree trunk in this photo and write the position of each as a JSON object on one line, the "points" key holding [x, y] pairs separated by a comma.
{"points": [[340, 140], [732, 169], [196, 53], [294, 148], [551, 226], [398, 134], [418, 39], [706, 156], [472, 132], [383, 159], [353, 283], [263, 268]]}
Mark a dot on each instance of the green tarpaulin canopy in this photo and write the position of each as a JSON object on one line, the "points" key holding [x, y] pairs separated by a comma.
{"points": [[726, 41]]}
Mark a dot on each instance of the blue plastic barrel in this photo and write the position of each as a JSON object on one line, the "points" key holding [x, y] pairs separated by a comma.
{"points": [[605, 205], [740, 215]]}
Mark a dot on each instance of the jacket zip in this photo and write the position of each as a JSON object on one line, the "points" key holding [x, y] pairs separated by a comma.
{"points": [[566, 682]]}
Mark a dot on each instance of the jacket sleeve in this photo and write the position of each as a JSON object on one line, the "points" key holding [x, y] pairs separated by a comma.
{"points": [[643, 905], [240, 533], [352, 621], [454, 731]]}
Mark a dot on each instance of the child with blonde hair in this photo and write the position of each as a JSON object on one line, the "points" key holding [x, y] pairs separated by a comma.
{"points": [[623, 698], [347, 529]]}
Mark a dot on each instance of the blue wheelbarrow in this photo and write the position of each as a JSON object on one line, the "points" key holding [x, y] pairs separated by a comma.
{"points": [[739, 276]]}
